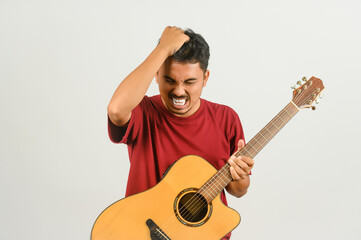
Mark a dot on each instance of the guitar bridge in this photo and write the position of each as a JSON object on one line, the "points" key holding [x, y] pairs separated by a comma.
{"points": [[155, 232]]}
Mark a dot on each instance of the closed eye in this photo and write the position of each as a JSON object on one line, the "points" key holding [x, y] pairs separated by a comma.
{"points": [[189, 82], [170, 81]]}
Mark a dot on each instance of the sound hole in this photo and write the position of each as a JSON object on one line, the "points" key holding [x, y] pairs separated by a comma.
{"points": [[192, 207]]}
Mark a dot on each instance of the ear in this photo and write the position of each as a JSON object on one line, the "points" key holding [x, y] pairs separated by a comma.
{"points": [[205, 78]]}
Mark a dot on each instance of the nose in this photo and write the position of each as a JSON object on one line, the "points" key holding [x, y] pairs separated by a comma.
{"points": [[179, 91]]}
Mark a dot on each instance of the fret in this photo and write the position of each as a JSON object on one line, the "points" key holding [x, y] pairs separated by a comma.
{"points": [[226, 171], [207, 194], [225, 179], [253, 147], [248, 152], [295, 105], [268, 131], [274, 125], [263, 137], [288, 113], [210, 189], [213, 189], [282, 120], [224, 176], [258, 142], [216, 185]]}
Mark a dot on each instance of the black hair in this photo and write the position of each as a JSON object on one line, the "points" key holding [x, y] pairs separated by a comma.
{"points": [[193, 51]]}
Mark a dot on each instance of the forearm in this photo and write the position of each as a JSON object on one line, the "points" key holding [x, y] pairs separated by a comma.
{"points": [[132, 89], [238, 188]]}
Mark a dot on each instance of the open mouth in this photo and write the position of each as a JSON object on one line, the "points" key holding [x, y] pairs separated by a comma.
{"points": [[179, 102]]}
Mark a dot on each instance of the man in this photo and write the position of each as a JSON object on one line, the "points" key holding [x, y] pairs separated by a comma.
{"points": [[161, 129]]}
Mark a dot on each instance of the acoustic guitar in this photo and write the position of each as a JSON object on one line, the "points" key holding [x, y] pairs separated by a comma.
{"points": [[186, 203]]}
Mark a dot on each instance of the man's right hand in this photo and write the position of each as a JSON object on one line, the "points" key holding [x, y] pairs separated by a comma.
{"points": [[172, 39]]}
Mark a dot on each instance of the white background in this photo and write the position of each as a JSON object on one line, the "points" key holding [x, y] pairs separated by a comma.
{"points": [[60, 62]]}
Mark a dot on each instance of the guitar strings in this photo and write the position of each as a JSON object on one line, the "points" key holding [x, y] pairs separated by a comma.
{"points": [[195, 199]]}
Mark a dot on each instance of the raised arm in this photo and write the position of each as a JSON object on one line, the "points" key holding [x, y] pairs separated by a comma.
{"points": [[132, 89]]}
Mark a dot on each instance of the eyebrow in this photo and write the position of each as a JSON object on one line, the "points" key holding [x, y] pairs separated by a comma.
{"points": [[189, 79]]}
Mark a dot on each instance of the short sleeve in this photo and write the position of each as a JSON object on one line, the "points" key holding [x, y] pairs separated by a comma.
{"points": [[115, 132]]}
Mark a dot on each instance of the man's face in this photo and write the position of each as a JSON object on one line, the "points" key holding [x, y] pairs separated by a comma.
{"points": [[180, 86]]}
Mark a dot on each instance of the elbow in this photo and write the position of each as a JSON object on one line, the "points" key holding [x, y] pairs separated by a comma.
{"points": [[116, 115], [112, 110]]}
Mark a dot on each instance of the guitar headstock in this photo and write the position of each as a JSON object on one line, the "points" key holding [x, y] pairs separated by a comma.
{"points": [[308, 93]]}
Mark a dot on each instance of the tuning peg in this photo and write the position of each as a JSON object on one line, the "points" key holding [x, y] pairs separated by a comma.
{"points": [[293, 86], [321, 95], [313, 107], [299, 82], [304, 79], [317, 101]]}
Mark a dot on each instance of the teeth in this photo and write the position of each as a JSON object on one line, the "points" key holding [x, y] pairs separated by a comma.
{"points": [[179, 102]]}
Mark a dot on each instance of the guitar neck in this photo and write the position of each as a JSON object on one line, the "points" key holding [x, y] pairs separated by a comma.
{"points": [[258, 142], [220, 180]]}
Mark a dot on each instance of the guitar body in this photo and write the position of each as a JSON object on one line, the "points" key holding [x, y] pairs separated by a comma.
{"points": [[171, 209]]}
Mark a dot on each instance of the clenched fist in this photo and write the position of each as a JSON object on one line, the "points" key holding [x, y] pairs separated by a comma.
{"points": [[172, 39]]}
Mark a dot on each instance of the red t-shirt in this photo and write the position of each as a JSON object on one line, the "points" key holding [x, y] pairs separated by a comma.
{"points": [[156, 138]]}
